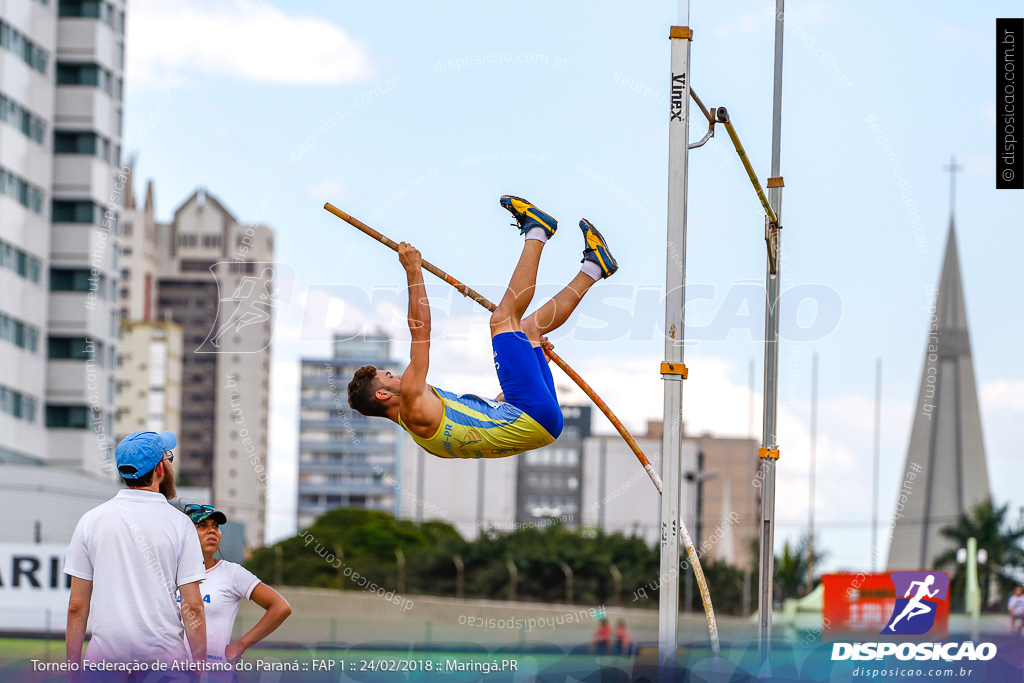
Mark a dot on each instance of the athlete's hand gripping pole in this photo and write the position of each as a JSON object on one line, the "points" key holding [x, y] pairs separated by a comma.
{"points": [[483, 301]]}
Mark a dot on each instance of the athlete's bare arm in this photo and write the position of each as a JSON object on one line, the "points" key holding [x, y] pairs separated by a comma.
{"points": [[78, 617], [277, 610], [420, 408]]}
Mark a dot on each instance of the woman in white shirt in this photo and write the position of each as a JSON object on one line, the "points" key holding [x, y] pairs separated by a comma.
{"points": [[224, 588]]}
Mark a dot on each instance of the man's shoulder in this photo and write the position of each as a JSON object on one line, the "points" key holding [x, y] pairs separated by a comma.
{"points": [[107, 507]]}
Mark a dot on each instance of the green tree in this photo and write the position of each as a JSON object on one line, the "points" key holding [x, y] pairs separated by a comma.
{"points": [[998, 537], [791, 580], [367, 539]]}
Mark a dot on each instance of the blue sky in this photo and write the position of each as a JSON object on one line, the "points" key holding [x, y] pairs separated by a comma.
{"points": [[420, 116]]}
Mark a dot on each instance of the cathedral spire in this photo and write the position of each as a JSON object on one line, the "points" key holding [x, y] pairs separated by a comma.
{"points": [[946, 451]]}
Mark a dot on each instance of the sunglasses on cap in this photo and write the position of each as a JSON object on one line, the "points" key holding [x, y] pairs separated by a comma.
{"points": [[200, 513]]}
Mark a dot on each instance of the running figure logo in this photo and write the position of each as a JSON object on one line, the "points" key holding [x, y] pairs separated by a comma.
{"points": [[914, 613], [251, 302]]}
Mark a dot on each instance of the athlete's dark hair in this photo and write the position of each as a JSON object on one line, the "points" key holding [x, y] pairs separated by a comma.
{"points": [[361, 392]]}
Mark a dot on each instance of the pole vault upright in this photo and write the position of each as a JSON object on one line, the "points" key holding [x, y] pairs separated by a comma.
{"points": [[769, 451], [672, 370]]}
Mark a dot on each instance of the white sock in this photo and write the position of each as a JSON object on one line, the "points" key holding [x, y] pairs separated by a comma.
{"points": [[537, 234], [592, 269]]}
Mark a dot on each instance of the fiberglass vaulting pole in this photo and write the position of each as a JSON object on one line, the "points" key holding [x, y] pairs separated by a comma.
{"points": [[673, 370], [769, 451]]}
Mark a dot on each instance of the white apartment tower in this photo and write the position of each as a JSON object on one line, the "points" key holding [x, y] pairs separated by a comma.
{"points": [[60, 189]]}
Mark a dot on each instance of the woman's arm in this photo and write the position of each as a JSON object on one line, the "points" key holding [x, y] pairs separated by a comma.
{"points": [[278, 610]]}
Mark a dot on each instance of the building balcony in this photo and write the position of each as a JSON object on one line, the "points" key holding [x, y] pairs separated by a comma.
{"points": [[81, 176], [78, 382], [86, 107], [81, 246], [75, 313], [86, 39]]}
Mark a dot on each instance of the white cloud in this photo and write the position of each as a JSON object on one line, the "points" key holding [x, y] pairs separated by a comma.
{"points": [[241, 39]]}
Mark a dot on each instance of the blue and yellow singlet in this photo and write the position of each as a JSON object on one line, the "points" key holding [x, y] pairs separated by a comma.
{"points": [[475, 427]]}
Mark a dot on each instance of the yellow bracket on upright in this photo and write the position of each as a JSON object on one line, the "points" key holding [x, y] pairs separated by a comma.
{"points": [[678, 370], [772, 453]]}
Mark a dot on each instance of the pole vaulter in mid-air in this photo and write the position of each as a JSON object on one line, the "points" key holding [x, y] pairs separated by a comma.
{"points": [[526, 415]]}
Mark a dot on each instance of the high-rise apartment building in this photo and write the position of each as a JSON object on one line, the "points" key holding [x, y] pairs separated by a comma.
{"points": [[197, 301], [206, 280], [149, 377], [61, 66], [346, 459]]}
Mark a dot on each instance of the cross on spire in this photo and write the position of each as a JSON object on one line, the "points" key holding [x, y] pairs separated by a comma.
{"points": [[953, 169]]}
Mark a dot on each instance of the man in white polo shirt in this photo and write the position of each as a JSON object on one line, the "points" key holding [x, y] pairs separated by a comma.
{"points": [[127, 558]]}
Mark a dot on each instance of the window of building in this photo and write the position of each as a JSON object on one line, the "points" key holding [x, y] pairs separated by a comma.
{"points": [[73, 348], [16, 187], [196, 265], [28, 123], [75, 73], [67, 417], [18, 333], [81, 142], [33, 55], [18, 261], [87, 9], [75, 280], [76, 211], [17, 404]]}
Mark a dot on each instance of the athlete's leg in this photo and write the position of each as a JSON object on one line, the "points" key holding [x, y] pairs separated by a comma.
{"points": [[557, 310], [537, 227], [523, 382], [549, 381], [508, 315], [598, 263]]}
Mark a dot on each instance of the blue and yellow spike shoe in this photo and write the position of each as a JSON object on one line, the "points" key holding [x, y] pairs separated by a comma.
{"points": [[528, 216], [597, 249]]}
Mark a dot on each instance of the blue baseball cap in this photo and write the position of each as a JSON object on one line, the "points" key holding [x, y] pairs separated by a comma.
{"points": [[141, 452]]}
